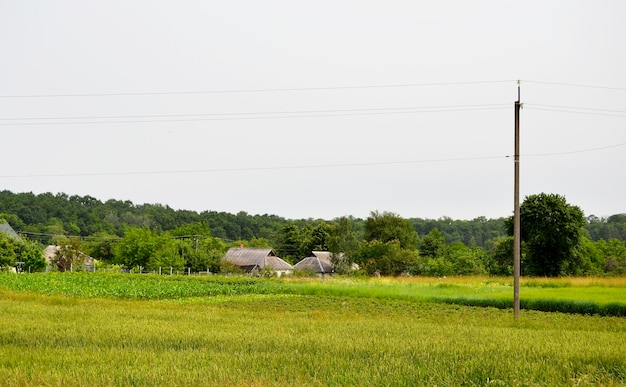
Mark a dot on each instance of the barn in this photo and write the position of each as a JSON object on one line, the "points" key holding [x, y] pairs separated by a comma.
{"points": [[254, 260]]}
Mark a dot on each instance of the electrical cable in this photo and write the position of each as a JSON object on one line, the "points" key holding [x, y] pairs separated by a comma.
{"points": [[259, 115], [346, 165], [268, 90], [575, 85]]}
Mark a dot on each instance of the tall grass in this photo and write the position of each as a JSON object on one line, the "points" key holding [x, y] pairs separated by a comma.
{"points": [[280, 340]]}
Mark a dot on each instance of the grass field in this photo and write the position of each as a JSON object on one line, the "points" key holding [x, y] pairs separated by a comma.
{"points": [[109, 330]]}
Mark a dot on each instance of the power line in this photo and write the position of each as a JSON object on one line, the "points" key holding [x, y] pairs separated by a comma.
{"points": [[419, 108], [577, 110], [576, 85], [268, 90], [247, 169], [313, 166], [576, 151], [255, 116]]}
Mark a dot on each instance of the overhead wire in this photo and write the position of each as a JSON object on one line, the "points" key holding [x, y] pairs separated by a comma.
{"points": [[247, 169], [575, 85], [312, 166], [266, 90], [576, 110], [246, 115], [297, 114]]}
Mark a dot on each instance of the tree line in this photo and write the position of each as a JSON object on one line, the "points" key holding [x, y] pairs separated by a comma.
{"points": [[152, 235]]}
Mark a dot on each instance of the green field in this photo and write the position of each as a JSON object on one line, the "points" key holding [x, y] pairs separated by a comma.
{"points": [[101, 329]]}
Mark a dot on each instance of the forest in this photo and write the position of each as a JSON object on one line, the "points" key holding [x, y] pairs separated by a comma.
{"points": [[154, 235]]}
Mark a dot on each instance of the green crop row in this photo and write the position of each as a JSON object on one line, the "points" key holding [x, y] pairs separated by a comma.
{"points": [[585, 298]]}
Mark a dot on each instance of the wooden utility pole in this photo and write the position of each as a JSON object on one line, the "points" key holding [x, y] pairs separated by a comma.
{"points": [[517, 234]]}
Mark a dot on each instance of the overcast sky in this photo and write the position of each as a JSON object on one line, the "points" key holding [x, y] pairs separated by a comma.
{"points": [[315, 109]]}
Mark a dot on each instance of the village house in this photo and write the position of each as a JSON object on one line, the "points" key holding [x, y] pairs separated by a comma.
{"points": [[255, 260], [319, 262]]}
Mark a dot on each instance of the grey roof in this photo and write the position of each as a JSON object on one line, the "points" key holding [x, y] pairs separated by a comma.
{"points": [[246, 257], [6, 228], [319, 262]]}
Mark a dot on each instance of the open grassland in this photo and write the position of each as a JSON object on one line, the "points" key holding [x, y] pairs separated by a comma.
{"points": [[57, 330]]}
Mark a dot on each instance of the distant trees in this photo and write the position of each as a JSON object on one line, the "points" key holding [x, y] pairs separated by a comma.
{"points": [[153, 235]]}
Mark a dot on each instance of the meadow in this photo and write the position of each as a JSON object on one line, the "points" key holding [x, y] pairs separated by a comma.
{"points": [[71, 329]]}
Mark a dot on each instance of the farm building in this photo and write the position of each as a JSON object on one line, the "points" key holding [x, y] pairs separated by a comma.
{"points": [[319, 262], [253, 260]]}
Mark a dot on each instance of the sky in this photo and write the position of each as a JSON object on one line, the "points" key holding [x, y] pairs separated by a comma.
{"points": [[315, 109]]}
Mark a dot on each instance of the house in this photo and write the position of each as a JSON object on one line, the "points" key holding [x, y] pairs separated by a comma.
{"points": [[254, 260], [319, 262], [87, 263]]}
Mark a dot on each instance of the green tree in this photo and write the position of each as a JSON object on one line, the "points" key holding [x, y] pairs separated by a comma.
{"points": [[466, 260], [385, 258], [68, 255], [206, 254], [101, 246], [167, 254], [31, 255], [136, 247], [500, 261], [7, 250], [343, 243], [551, 230], [433, 245], [613, 252], [387, 227]]}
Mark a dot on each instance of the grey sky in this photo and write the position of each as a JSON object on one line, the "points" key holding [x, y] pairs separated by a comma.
{"points": [[315, 109]]}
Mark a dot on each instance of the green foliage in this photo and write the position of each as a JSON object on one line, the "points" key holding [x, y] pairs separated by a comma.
{"points": [[613, 252], [613, 227], [297, 242], [500, 256], [551, 230], [31, 255], [7, 250], [101, 246], [68, 255], [136, 247], [167, 255], [387, 227], [101, 226], [202, 254], [343, 244], [386, 258], [433, 245], [466, 260]]}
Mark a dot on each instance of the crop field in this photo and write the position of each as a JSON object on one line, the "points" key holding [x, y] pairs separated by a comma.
{"points": [[77, 329]]}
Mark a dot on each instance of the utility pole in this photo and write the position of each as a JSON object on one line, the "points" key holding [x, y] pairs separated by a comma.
{"points": [[517, 235]]}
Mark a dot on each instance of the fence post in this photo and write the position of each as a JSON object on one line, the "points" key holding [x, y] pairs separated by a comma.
{"points": [[171, 270]]}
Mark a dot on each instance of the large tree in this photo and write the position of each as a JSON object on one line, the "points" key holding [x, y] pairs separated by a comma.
{"points": [[387, 227], [551, 231]]}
